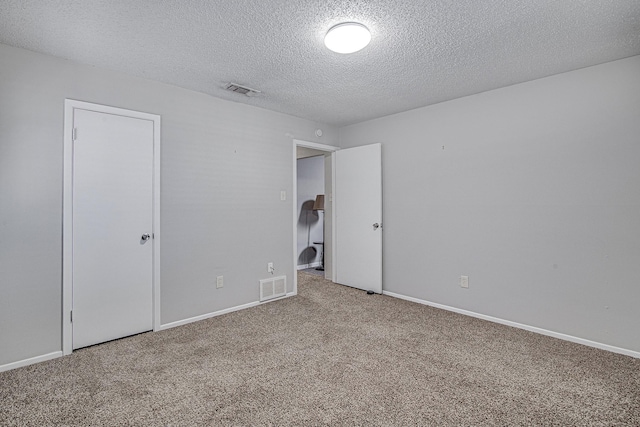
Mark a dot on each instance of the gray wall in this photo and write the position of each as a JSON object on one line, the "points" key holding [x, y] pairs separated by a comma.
{"points": [[310, 177], [532, 190], [223, 167]]}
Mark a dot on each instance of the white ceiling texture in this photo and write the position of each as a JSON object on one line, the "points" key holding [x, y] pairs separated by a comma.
{"points": [[422, 51]]}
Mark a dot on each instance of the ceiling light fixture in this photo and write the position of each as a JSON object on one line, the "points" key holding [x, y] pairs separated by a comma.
{"points": [[347, 37]]}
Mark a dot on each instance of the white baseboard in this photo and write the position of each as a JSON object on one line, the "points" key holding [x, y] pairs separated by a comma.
{"points": [[30, 361], [218, 313], [207, 316], [312, 265], [287, 295], [537, 330]]}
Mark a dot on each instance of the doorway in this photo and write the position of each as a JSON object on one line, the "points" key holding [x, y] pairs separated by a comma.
{"points": [[353, 215], [303, 149], [111, 224], [310, 214]]}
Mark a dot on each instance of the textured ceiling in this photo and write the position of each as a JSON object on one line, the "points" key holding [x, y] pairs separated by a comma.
{"points": [[421, 53]]}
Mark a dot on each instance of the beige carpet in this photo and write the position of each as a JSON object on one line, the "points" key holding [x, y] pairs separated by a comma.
{"points": [[330, 356]]}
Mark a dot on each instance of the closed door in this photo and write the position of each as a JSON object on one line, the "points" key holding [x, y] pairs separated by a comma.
{"points": [[112, 227], [358, 217]]}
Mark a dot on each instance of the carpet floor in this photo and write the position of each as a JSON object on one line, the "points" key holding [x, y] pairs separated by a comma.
{"points": [[313, 271], [332, 355]]}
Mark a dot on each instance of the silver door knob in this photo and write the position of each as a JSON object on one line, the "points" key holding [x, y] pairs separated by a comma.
{"points": [[376, 226], [145, 237]]}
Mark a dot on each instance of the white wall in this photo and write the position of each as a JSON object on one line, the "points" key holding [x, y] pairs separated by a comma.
{"points": [[223, 167], [532, 190], [310, 175]]}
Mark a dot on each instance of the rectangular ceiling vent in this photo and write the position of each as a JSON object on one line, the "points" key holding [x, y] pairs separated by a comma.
{"points": [[242, 90], [273, 288]]}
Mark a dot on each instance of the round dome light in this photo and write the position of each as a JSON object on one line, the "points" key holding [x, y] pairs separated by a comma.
{"points": [[347, 37]]}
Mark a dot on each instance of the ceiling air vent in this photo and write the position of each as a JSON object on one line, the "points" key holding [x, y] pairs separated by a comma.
{"points": [[242, 90]]}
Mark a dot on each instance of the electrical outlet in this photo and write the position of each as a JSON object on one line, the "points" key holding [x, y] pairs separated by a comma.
{"points": [[464, 281], [270, 268], [219, 282], [283, 195]]}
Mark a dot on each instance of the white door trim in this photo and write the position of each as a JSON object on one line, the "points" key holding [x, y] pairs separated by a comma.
{"points": [[67, 219], [294, 197]]}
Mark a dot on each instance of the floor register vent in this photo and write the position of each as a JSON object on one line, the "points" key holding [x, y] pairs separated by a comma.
{"points": [[273, 288]]}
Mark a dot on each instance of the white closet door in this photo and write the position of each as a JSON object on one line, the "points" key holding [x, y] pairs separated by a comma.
{"points": [[112, 227]]}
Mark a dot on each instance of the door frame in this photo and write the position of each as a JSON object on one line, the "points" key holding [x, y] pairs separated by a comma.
{"points": [[327, 149], [70, 105]]}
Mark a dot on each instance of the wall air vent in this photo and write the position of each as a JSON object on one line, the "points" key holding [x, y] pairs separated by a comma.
{"points": [[273, 288], [242, 90]]}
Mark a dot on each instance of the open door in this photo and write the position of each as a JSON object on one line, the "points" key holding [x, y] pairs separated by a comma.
{"points": [[358, 217]]}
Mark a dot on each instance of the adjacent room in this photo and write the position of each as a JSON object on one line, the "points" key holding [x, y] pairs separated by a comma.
{"points": [[319, 213]]}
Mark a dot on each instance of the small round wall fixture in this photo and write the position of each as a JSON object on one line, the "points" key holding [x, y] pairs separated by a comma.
{"points": [[347, 37]]}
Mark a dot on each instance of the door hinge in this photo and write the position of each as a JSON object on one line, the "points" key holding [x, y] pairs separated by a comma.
{"points": [[74, 134], [71, 316]]}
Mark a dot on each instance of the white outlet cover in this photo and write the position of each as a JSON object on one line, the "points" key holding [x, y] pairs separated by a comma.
{"points": [[464, 281]]}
